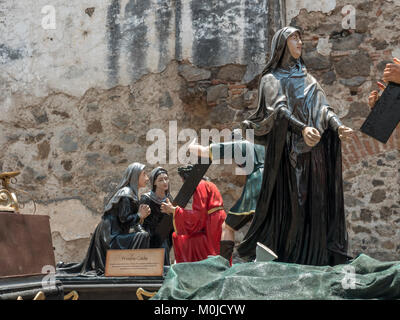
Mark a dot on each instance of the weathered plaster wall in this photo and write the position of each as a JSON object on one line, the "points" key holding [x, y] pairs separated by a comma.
{"points": [[119, 41], [76, 102]]}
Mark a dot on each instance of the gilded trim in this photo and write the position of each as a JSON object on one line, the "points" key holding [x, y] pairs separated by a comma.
{"points": [[73, 295], [242, 213], [40, 296], [140, 292], [215, 209], [173, 220]]}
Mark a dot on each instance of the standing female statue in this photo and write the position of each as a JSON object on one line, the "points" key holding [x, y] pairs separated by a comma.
{"points": [[300, 210]]}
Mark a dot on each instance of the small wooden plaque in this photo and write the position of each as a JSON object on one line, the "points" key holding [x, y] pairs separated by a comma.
{"points": [[135, 263]]}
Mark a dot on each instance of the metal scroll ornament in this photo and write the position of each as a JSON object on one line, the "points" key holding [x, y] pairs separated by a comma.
{"points": [[8, 199]]}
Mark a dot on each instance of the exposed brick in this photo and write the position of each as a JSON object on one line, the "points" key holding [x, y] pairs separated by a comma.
{"points": [[354, 152], [390, 143], [377, 146], [237, 86], [215, 82], [368, 147], [359, 146]]}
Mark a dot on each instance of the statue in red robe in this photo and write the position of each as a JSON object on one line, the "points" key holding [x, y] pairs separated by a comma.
{"points": [[198, 231]]}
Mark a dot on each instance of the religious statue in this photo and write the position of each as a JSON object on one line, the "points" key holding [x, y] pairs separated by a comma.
{"points": [[158, 225], [243, 210], [198, 231], [300, 211], [120, 226]]}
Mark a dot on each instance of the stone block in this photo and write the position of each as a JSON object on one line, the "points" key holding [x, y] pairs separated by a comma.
{"points": [[217, 92], [191, 73], [232, 72], [355, 65], [316, 61], [68, 143], [378, 196]]}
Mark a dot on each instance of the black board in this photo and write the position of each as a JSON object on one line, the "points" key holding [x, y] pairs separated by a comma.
{"points": [[385, 115], [190, 184]]}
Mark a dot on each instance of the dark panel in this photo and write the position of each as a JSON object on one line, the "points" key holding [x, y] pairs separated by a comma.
{"points": [[25, 244], [190, 184], [385, 116]]}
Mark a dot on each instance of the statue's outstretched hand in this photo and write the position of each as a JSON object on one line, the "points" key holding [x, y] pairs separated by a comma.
{"points": [[345, 133], [311, 136]]}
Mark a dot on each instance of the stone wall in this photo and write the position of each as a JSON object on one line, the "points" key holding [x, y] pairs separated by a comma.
{"points": [[77, 102]]}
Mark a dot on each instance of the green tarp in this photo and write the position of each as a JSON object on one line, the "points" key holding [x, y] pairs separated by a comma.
{"points": [[362, 278]]}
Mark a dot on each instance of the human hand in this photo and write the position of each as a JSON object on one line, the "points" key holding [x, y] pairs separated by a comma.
{"points": [[311, 136], [373, 98], [144, 211], [167, 207], [392, 72], [198, 149], [374, 95], [345, 133]]}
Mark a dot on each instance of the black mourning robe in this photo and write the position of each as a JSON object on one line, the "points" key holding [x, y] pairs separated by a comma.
{"points": [[113, 232], [154, 222], [300, 210]]}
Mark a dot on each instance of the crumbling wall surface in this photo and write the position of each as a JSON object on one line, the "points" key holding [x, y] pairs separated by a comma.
{"points": [[77, 102]]}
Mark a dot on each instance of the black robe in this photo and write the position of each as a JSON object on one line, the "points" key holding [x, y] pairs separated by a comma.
{"points": [[152, 224], [300, 210], [111, 233]]}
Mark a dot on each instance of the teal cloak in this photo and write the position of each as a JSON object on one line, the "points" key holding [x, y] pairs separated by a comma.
{"points": [[213, 279], [254, 156]]}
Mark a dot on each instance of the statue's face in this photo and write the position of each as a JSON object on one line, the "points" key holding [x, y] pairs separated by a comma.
{"points": [[162, 182], [143, 179], [295, 45]]}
